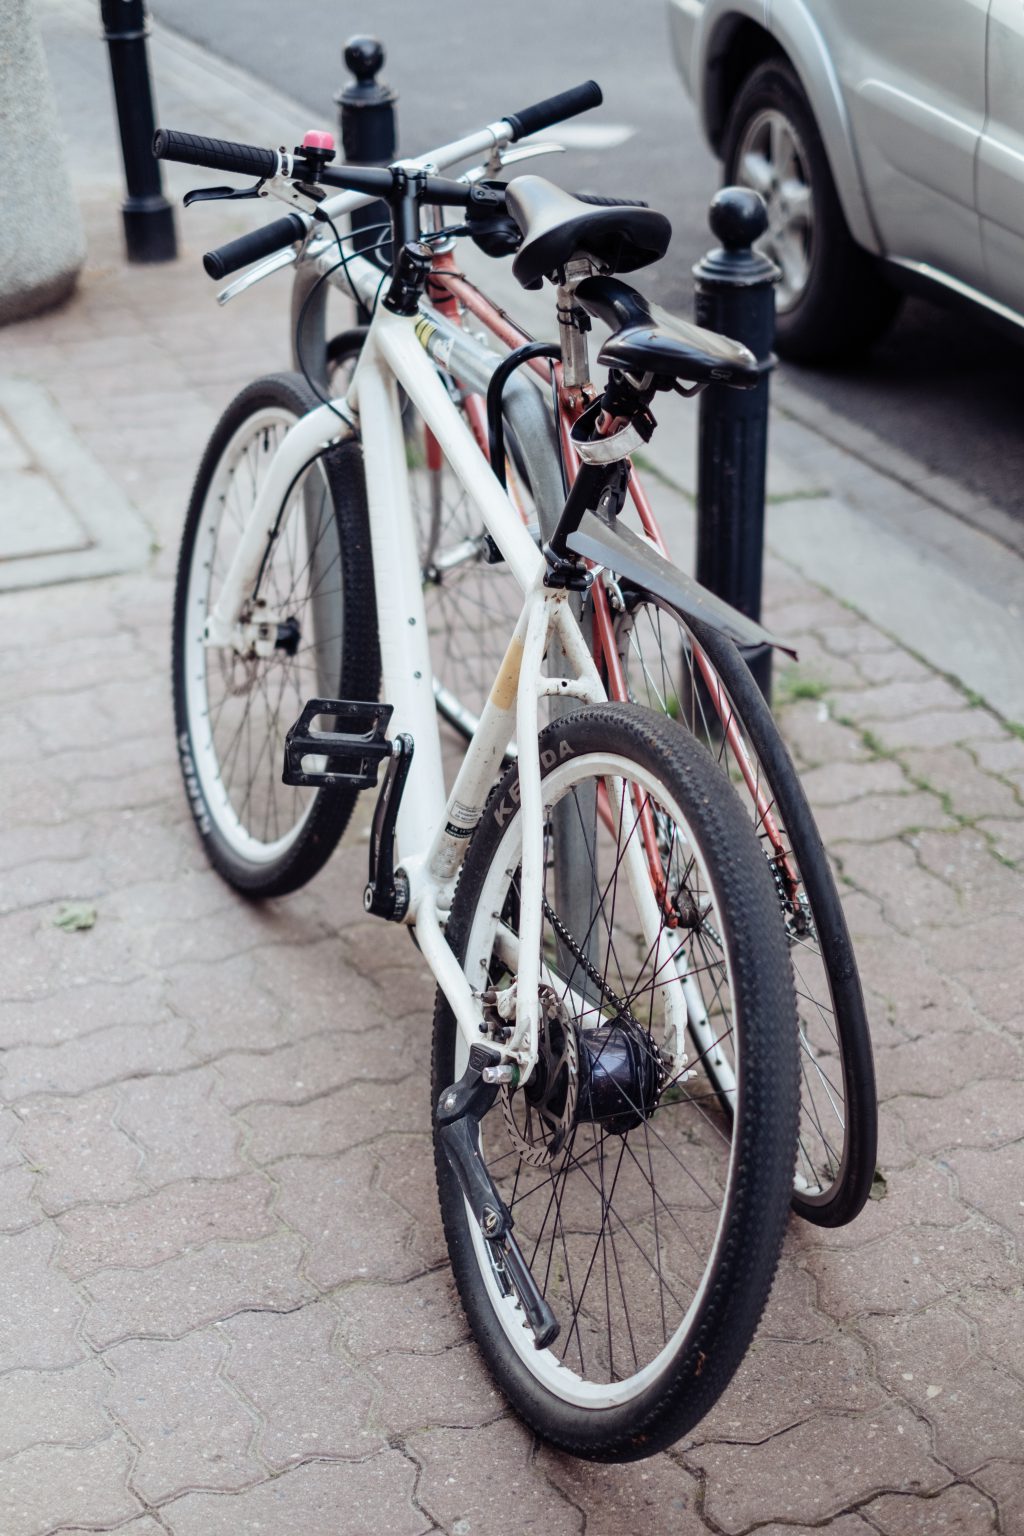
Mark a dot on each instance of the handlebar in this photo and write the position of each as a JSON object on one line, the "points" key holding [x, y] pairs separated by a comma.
{"points": [[555, 109], [216, 154], [365, 182]]}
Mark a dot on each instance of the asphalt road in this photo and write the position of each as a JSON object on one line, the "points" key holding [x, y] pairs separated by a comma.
{"points": [[941, 386]]}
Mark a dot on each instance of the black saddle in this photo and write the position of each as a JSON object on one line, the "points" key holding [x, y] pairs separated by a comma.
{"points": [[647, 339], [556, 227]]}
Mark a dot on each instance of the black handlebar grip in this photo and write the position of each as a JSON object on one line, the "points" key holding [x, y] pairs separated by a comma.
{"points": [[543, 114], [259, 242], [216, 154], [601, 201]]}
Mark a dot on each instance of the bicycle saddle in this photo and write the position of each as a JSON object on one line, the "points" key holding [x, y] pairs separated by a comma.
{"points": [[647, 339], [556, 226]]}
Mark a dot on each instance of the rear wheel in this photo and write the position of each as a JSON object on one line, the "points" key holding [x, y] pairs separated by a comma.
{"points": [[838, 1120], [651, 1222]]}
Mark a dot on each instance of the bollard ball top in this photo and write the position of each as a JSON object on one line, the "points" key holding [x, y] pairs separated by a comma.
{"points": [[364, 57], [737, 217]]}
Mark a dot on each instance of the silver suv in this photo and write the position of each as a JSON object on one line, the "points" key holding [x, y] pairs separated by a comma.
{"points": [[887, 138]]}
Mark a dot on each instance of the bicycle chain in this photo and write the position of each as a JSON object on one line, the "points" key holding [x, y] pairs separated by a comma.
{"points": [[621, 1008]]}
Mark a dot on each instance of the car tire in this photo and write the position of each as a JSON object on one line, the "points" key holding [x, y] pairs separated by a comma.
{"points": [[833, 300]]}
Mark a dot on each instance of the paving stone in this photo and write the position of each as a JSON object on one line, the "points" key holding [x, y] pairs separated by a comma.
{"points": [[878, 817], [908, 1270], [41, 1309], [152, 1111], [911, 897], [321, 1499], [1004, 1482], [944, 728], [424, 1314], [897, 701], [407, 1175], [1005, 757], [953, 771], [1007, 836], [792, 1310], [145, 1525], [924, 1002], [983, 885], [975, 1409], [944, 1064], [310, 1067], [52, 1407], [191, 1429], [336, 1121], [228, 1008], [817, 1469], [159, 1226], [309, 1403], [815, 737], [335, 977], [981, 1114], [921, 1195], [959, 1511], [472, 1478], [18, 1208], [781, 1383], [80, 1011], [894, 665], [109, 1055], [50, 1486], [170, 1299], [992, 1180], [419, 1391], [816, 665], [840, 782], [996, 1316], [354, 1229], [656, 1497], [78, 1152], [848, 637]]}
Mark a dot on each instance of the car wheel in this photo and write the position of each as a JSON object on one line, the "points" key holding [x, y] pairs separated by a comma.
{"points": [[832, 300]]}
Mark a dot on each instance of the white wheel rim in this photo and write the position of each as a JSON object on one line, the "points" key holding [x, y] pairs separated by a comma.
{"points": [[771, 159]]}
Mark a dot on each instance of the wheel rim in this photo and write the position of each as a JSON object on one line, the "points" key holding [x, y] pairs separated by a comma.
{"points": [[771, 158], [622, 1230], [661, 674], [239, 708]]}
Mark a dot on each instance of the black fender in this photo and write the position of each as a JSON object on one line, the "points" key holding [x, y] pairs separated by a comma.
{"points": [[623, 552]]}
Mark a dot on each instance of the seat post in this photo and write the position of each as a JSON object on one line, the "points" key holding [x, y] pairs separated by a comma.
{"points": [[573, 326]]}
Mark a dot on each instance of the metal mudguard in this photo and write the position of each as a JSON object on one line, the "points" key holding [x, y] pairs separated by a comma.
{"points": [[622, 551]]}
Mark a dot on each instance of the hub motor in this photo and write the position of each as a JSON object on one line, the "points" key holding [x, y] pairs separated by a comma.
{"points": [[620, 1075]]}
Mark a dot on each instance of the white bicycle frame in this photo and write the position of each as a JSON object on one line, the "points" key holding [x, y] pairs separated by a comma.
{"points": [[433, 830]]}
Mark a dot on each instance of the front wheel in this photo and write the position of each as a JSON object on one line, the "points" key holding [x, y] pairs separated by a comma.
{"points": [[651, 1221], [310, 630]]}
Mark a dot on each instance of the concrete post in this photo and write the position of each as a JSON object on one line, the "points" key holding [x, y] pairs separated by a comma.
{"points": [[42, 247]]}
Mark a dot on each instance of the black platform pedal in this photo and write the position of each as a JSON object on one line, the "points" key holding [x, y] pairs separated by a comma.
{"points": [[351, 754]]}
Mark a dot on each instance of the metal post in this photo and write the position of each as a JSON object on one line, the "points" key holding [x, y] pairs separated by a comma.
{"points": [[366, 117], [735, 296], [148, 217]]}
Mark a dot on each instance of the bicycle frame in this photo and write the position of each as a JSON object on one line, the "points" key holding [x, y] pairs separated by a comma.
{"points": [[433, 830]]}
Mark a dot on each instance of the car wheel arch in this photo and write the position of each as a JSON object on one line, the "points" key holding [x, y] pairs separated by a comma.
{"points": [[734, 42]]}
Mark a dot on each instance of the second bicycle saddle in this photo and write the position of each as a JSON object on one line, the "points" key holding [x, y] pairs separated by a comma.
{"points": [[647, 339], [557, 226]]}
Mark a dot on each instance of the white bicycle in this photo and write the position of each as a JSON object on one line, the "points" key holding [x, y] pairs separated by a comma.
{"points": [[615, 1055]]}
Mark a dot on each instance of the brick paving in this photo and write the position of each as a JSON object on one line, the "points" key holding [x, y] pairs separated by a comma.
{"points": [[226, 1304]]}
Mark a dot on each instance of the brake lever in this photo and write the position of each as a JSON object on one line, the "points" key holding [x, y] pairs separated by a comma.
{"points": [[221, 194]]}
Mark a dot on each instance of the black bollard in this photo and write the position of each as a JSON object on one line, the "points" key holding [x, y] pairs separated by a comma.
{"points": [[148, 216], [366, 117], [735, 296]]}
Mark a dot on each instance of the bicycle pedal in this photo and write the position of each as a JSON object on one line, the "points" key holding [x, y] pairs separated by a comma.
{"points": [[349, 756]]}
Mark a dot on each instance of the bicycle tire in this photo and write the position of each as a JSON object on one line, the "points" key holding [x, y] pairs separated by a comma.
{"points": [[839, 1117], [268, 838], [708, 1219]]}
